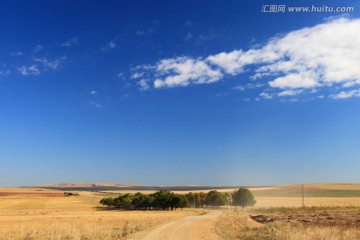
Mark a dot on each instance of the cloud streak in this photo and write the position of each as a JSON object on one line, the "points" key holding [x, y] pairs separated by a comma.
{"points": [[70, 42], [322, 56], [29, 70]]}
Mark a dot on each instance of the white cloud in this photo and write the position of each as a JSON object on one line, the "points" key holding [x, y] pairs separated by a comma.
{"points": [[189, 36], [266, 95], [230, 62], [93, 92], [111, 44], [38, 48], [248, 86], [347, 94], [183, 71], [144, 32], [95, 104], [325, 55], [54, 64], [295, 80], [70, 42], [18, 53], [188, 23], [121, 76], [30, 70], [289, 93], [4, 73], [137, 75], [143, 83]]}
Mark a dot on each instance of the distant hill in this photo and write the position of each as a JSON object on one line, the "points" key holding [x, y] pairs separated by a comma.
{"points": [[88, 185], [116, 186]]}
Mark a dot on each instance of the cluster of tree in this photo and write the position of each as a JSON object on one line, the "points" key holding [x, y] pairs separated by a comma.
{"points": [[160, 200], [210, 199], [241, 197], [166, 200]]}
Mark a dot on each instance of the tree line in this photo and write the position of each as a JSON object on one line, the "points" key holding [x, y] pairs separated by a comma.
{"points": [[160, 200], [167, 200], [239, 198]]}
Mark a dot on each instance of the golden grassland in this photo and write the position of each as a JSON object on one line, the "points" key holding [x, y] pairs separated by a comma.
{"points": [[286, 202], [304, 224], [38, 213], [309, 201], [75, 217]]}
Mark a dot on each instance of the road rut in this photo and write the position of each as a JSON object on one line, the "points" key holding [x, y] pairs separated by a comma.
{"points": [[188, 228]]}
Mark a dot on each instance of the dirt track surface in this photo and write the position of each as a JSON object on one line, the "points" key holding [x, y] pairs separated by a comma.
{"points": [[188, 228]]}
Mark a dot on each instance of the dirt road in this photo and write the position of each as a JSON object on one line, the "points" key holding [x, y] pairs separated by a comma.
{"points": [[188, 228]]}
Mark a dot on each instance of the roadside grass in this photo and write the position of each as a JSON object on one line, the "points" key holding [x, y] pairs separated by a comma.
{"points": [[237, 224]]}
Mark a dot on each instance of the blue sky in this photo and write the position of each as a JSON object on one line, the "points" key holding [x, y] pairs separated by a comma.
{"points": [[178, 92]]}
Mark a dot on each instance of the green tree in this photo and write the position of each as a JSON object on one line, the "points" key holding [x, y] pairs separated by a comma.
{"points": [[215, 199], [243, 198], [140, 201], [184, 203], [162, 199], [124, 201], [192, 199], [109, 202], [202, 198]]}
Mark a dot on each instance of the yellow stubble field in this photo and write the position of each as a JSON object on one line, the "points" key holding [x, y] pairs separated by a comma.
{"points": [[30, 214], [38, 213]]}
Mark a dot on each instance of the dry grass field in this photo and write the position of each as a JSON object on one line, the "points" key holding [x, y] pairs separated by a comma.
{"points": [[291, 224], [336, 194], [332, 212], [38, 213], [46, 214]]}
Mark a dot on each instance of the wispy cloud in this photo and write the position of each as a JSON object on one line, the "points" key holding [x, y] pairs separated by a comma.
{"points": [[346, 94], [111, 45], [289, 93], [4, 72], [93, 92], [144, 32], [188, 36], [188, 23], [137, 75], [95, 104], [16, 54], [39, 65], [249, 86], [70, 42], [121, 76], [29, 70], [51, 64], [144, 85], [183, 71], [266, 95], [38, 48], [324, 55]]}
